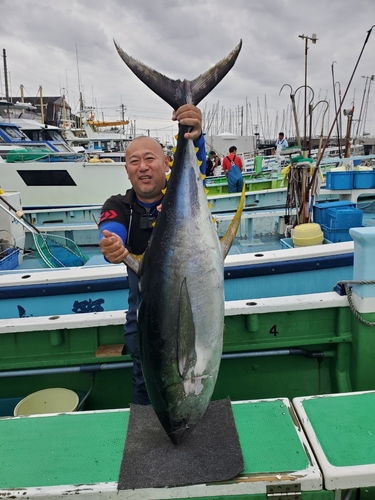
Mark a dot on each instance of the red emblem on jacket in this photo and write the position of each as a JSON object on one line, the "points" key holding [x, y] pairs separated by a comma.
{"points": [[107, 215]]}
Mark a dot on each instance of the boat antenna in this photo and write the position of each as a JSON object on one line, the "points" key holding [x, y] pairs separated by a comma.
{"points": [[343, 98], [79, 89]]}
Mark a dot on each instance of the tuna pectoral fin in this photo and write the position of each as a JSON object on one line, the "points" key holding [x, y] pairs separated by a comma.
{"points": [[177, 92], [186, 355], [134, 262], [228, 238]]}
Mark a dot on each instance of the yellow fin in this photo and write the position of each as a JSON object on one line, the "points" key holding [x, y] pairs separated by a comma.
{"points": [[228, 238], [164, 190], [210, 205], [200, 163], [206, 190], [167, 176], [174, 150], [196, 150], [171, 163], [176, 137], [203, 176]]}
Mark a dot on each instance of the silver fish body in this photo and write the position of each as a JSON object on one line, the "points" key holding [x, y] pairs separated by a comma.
{"points": [[181, 312]]}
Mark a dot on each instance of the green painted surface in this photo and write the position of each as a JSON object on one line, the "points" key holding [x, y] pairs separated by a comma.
{"points": [[306, 495], [87, 448], [345, 427], [331, 331], [64, 449], [268, 438]]}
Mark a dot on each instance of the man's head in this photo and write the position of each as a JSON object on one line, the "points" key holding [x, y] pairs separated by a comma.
{"points": [[281, 135], [233, 149], [212, 153], [146, 166]]}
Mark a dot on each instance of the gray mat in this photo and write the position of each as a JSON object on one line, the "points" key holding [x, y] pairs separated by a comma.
{"points": [[211, 453]]}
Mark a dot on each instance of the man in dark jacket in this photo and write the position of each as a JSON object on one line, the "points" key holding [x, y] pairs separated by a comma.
{"points": [[127, 220]]}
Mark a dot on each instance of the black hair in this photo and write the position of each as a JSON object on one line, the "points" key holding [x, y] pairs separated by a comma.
{"points": [[232, 149]]}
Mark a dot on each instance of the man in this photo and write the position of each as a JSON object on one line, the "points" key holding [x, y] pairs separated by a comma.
{"points": [[127, 220], [232, 166], [281, 143]]}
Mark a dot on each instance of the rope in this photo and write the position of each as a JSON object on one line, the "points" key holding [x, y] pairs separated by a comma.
{"points": [[348, 292]]}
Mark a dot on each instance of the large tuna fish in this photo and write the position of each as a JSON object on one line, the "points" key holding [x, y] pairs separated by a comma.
{"points": [[181, 311]]}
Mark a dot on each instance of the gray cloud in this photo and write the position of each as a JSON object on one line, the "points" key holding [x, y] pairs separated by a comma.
{"points": [[45, 40]]}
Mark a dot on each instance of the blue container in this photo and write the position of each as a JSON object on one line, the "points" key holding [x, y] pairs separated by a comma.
{"points": [[7, 406], [320, 210], [344, 218], [364, 179], [10, 261], [288, 243], [336, 235], [339, 180]]}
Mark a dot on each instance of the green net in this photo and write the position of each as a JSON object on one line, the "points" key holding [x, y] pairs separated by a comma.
{"points": [[58, 251]]}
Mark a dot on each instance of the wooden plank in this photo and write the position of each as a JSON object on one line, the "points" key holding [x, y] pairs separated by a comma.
{"points": [[106, 351]]}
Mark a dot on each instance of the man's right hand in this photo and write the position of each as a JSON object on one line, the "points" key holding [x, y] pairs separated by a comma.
{"points": [[112, 247]]}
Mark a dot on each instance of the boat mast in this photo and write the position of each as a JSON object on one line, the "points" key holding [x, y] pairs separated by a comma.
{"points": [[41, 105]]}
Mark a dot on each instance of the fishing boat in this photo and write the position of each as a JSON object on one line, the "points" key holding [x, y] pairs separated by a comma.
{"points": [[48, 173], [298, 370], [93, 138]]}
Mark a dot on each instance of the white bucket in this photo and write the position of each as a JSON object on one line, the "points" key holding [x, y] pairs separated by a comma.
{"points": [[55, 400]]}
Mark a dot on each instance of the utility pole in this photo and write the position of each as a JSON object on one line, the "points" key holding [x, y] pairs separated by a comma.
{"points": [[6, 75], [313, 38], [123, 116], [22, 93]]}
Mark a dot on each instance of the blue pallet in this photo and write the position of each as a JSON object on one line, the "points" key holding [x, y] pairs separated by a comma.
{"points": [[344, 218], [364, 179], [320, 210], [339, 180], [336, 235]]}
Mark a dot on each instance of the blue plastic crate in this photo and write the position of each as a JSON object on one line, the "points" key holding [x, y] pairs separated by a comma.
{"points": [[344, 219], [10, 261], [364, 179], [320, 210], [339, 180], [336, 235]]}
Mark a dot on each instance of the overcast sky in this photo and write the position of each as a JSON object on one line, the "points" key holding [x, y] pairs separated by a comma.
{"points": [[69, 45]]}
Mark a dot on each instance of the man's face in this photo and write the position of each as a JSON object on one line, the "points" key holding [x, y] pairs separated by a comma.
{"points": [[146, 166]]}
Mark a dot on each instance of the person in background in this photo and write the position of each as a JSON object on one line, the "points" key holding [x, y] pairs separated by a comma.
{"points": [[216, 164], [281, 142], [209, 166], [232, 166], [127, 221]]}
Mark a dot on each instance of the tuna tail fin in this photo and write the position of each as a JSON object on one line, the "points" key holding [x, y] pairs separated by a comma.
{"points": [[228, 238], [177, 92]]}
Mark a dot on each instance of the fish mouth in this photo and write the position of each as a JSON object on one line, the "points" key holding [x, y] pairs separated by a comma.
{"points": [[179, 431]]}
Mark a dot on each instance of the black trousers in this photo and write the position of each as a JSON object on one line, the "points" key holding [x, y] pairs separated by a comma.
{"points": [[140, 396]]}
